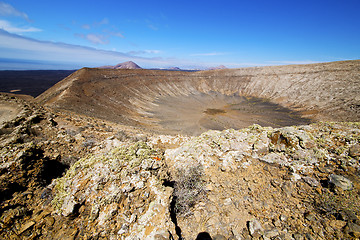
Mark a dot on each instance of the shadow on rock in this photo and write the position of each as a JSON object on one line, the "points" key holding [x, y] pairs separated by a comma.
{"points": [[203, 236]]}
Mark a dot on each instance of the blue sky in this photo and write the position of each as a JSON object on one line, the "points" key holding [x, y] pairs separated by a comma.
{"points": [[189, 34]]}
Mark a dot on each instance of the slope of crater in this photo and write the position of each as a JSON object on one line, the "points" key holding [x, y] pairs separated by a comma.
{"points": [[192, 102]]}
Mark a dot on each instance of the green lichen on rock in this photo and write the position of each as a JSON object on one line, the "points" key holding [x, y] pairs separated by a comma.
{"points": [[118, 164]]}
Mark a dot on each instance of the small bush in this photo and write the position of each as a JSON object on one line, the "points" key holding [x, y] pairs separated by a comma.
{"points": [[189, 189], [121, 136], [330, 203], [89, 143]]}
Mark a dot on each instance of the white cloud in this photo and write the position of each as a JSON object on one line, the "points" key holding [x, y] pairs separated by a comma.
{"points": [[141, 52], [97, 38], [209, 54], [86, 26], [152, 27], [8, 10], [102, 22], [116, 34], [7, 26], [13, 46], [153, 51]]}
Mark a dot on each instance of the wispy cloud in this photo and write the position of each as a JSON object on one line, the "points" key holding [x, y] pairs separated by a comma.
{"points": [[114, 33], [7, 26], [151, 25], [95, 24], [8, 10], [209, 54], [98, 38], [85, 26], [142, 52], [13, 46], [94, 38], [102, 22]]}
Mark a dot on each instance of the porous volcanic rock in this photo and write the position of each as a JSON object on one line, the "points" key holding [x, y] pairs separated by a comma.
{"points": [[174, 102], [268, 182]]}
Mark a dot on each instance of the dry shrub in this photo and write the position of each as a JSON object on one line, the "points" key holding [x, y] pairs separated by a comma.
{"points": [[189, 189]]}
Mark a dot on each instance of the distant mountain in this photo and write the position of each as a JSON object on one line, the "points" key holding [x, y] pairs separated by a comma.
{"points": [[218, 67], [124, 65], [172, 69], [175, 69]]}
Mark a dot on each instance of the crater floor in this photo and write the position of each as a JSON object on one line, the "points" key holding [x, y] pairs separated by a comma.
{"points": [[197, 113]]}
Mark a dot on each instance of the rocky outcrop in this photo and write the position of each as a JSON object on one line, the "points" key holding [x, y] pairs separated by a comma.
{"points": [[291, 183], [120, 194]]}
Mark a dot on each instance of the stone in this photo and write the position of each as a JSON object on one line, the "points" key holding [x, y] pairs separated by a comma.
{"points": [[337, 224], [309, 236], [227, 202], [283, 217], [347, 215], [236, 235], [49, 221], [68, 206], [26, 226], [161, 237], [354, 150], [271, 233], [311, 181], [219, 237], [353, 229], [341, 182], [310, 216], [284, 236], [255, 227]]}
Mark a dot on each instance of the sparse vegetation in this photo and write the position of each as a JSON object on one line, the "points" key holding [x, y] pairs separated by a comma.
{"points": [[189, 189], [339, 202], [121, 136], [89, 143]]}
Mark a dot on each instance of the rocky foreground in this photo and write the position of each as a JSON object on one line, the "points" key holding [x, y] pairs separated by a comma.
{"points": [[67, 176]]}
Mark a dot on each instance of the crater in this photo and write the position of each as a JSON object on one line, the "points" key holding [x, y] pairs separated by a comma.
{"points": [[176, 102]]}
